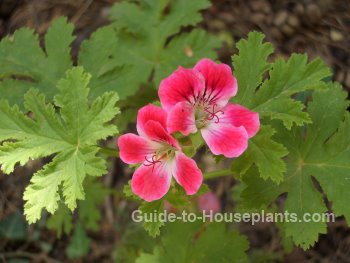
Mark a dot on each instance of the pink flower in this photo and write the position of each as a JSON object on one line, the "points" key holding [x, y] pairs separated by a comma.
{"points": [[209, 202], [197, 99], [160, 156]]}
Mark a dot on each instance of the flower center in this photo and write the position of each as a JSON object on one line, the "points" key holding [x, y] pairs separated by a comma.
{"points": [[205, 113], [164, 153], [152, 161], [212, 113]]}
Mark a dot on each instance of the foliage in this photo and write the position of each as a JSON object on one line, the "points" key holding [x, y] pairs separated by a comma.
{"points": [[51, 129], [156, 46], [114, 54], [25, 64], [302, 148], [150, 50], [294, 146], [13, 227], [199, 243], [79, 243], [88, 212], [175, 198], [273, 99], [321, 153], [179, 242], [266, 153], [71, 135], [61, 220], [134, 240]]}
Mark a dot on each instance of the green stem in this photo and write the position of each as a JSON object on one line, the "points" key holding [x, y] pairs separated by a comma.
{"points": [[216, 174], [109, 151]]}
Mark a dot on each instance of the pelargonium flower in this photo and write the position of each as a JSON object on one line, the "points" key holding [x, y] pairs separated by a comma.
{"points": [[209, 202], [160, 157], [197, 99]]}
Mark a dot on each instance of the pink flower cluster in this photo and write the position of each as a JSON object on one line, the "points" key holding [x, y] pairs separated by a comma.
{"points": [[192, 99]]}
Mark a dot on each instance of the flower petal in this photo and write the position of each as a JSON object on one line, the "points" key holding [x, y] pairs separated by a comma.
{"points": [[220, 84], [187, 174], [181, 118], [238, 115], [182, 85], [226, 139], [150, 113], [209, 202], [156, 132], [151, 182], [133, 149]]}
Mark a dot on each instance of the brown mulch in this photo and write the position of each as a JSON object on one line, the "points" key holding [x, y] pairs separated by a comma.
{"points": [[319, 28]]}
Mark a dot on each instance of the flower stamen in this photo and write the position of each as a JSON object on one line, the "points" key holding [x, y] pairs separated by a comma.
{"points": [[153, 161], [213, 114]]}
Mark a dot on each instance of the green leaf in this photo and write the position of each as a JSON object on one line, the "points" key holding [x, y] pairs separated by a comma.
{"points": [[185, 50], [152, 208], [71, 134], [291, 112], [273, 100], [250, 65], [130, 106], [155, 257], [323, 154], [293, 76], [128, 192], [266, 154], [176, 197], [273, 97], [286, 79], [156, 47], [57, 46], [13, 227], [99, 56], [134, 242], [25, 64], [197, 242], [61, 221], [170, 239], [231, 248], [79, 244], [179, 14], [89, 213]]}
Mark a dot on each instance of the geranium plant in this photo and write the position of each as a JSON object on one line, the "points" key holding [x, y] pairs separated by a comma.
{"points": [[279, 126]]}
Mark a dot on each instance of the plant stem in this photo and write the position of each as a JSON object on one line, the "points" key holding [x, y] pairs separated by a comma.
{"points": [[109, 151], [216, 174]]}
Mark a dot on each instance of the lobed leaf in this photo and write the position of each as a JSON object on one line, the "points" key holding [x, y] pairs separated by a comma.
{"points": [[24, 64], [249, 66], [272, 97], [267, 155], [61, 221], [323, 154], [79, 244], [198, 244], [149, 209], [70, 134], [154, 48]]}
